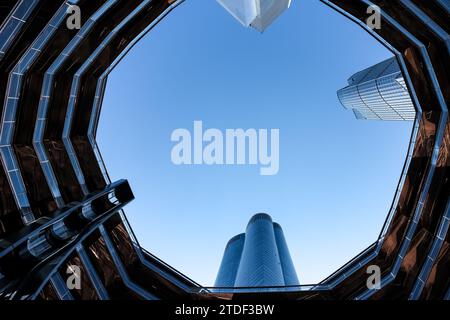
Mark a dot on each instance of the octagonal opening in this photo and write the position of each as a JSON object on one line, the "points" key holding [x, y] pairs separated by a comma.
{"points": [[337, 175]]}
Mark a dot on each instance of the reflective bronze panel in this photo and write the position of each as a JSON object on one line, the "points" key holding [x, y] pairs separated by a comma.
{"points": [[107, 271], [48, 293], [86, 291]]}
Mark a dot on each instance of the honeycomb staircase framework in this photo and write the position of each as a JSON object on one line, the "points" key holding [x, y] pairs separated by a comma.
{"points": [[58, 207]]}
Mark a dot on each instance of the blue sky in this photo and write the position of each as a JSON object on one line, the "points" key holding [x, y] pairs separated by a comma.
{"points": [[337, 175]]}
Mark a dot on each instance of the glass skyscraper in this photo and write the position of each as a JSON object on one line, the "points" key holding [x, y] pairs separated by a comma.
{"points": [[378, 93], [258, 258], [258, 14]]}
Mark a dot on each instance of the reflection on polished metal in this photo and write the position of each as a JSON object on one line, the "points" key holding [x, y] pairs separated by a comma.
{"points": [[58, 207], [258, 258], [378, 93]]}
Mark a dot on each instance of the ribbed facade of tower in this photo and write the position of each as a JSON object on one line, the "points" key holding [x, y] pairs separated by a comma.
{"points": [[378, 93], [289, 273], [230, 262], [258, 258]]}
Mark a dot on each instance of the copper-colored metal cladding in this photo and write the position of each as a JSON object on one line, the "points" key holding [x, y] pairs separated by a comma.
{"points": [[58, 103], [413, 250], [38, 191], [10, 217]]}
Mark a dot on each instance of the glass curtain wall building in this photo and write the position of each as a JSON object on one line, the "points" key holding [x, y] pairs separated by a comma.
{"points": [[258, 258], [378, 93], [258, 14]]}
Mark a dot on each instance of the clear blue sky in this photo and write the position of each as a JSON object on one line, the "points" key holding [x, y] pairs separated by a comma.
{"points": [[337, 175]]}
